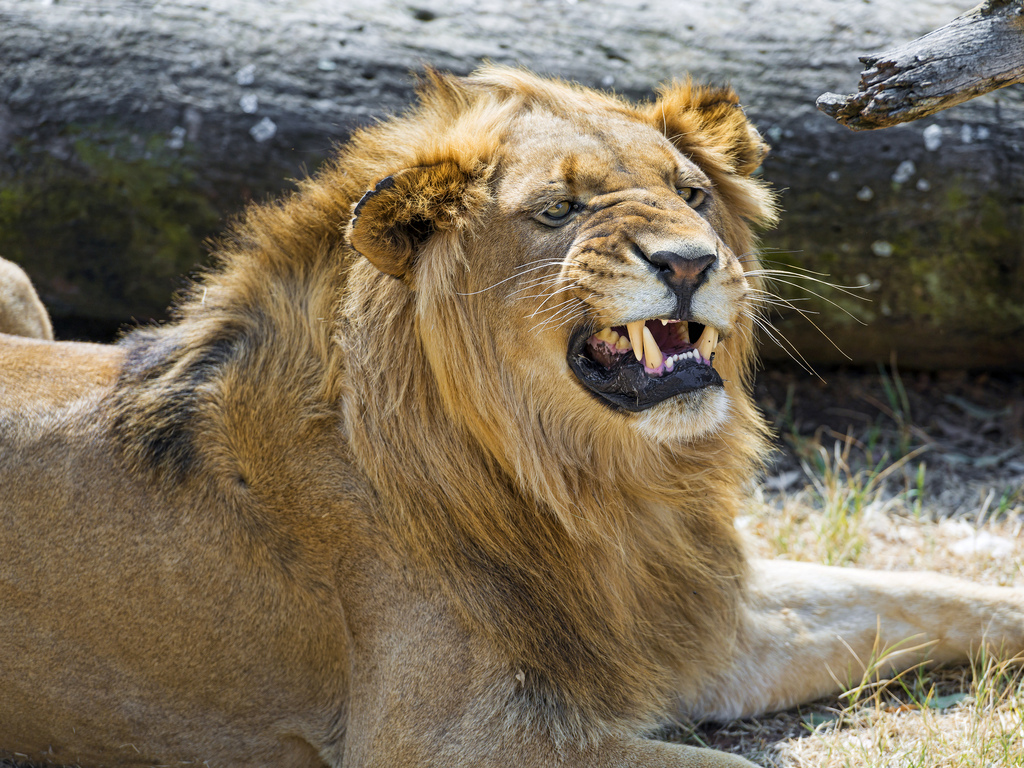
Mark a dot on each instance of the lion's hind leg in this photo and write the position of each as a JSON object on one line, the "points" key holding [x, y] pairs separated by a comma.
{"points": [[811, 630], [21, 311]]}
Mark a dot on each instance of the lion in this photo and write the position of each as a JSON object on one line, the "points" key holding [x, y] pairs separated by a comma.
{"points": [[21, 311], [438, 466]]}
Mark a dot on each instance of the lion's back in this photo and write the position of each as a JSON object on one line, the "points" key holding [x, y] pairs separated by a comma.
{"points": [[45, 374]]}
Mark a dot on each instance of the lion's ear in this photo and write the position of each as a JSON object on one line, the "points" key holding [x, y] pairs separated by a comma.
{"points": [[395, 218], [700, 120]]}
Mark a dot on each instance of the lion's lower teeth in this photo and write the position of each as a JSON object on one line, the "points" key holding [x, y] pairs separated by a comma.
{"points": [[707, 342], [641, 341]]}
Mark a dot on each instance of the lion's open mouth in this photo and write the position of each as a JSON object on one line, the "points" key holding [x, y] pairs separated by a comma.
{"points": [[667, 363]]}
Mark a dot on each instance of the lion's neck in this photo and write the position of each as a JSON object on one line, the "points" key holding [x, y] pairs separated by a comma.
{"points": [[605, 550]]}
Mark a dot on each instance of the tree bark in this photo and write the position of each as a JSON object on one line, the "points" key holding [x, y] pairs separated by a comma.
{"points": [[975, 53], [131, 130]]}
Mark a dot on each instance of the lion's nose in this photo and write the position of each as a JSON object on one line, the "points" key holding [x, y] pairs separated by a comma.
{"points": [[683, 271]]}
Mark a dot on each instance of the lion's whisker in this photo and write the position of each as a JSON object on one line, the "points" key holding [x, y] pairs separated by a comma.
{"points": [[774, 300], [781, 341], [554, 311], [773, 274], [539, 264], [791, 267], [823, 298], [540, 295], [539, 282], [553, 289], [569, 312], [787, 304], [532, 266], [547, 283], [554, 308], [571, 318]]}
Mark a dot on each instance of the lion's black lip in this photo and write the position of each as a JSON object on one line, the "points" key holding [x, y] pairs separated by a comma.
{"points": [[626, 385]]}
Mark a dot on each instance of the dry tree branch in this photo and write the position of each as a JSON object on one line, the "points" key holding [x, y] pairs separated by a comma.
{"points": [[978, 52]]}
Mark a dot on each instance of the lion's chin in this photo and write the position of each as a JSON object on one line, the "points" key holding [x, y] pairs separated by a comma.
{"points": [[687, 418]]}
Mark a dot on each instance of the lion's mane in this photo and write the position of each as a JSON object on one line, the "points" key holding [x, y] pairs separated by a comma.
{"points": [[603, 565]]}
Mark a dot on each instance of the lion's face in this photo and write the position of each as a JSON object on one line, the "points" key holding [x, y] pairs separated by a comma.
{"points": [[600, 262], [617, 263]]}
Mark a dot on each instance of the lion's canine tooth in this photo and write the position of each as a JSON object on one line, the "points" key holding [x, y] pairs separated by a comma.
{"points": [[636, 337], [707, 342], [651, 349]]}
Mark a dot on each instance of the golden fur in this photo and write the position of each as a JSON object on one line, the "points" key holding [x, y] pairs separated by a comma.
{"points": [[21, 311], [351, 506]]}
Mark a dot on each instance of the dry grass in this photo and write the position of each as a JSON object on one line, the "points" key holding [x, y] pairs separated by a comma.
{"points": [[849, 512], [981, 726]]}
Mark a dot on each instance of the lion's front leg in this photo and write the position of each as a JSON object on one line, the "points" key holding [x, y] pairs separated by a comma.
{"points": [[428, 693], [811, 630]]}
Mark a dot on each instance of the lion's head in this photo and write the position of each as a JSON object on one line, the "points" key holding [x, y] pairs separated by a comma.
{"points": [[597, 247]]}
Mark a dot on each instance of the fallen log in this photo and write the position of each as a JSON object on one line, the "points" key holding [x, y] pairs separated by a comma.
{"points": [[130, 132]]}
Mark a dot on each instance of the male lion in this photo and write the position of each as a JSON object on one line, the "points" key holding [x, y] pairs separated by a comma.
{"points": [[438, 468]]}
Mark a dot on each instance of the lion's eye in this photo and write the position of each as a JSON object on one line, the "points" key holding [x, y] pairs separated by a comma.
{"points": [[693, 196], [559, 210]]}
